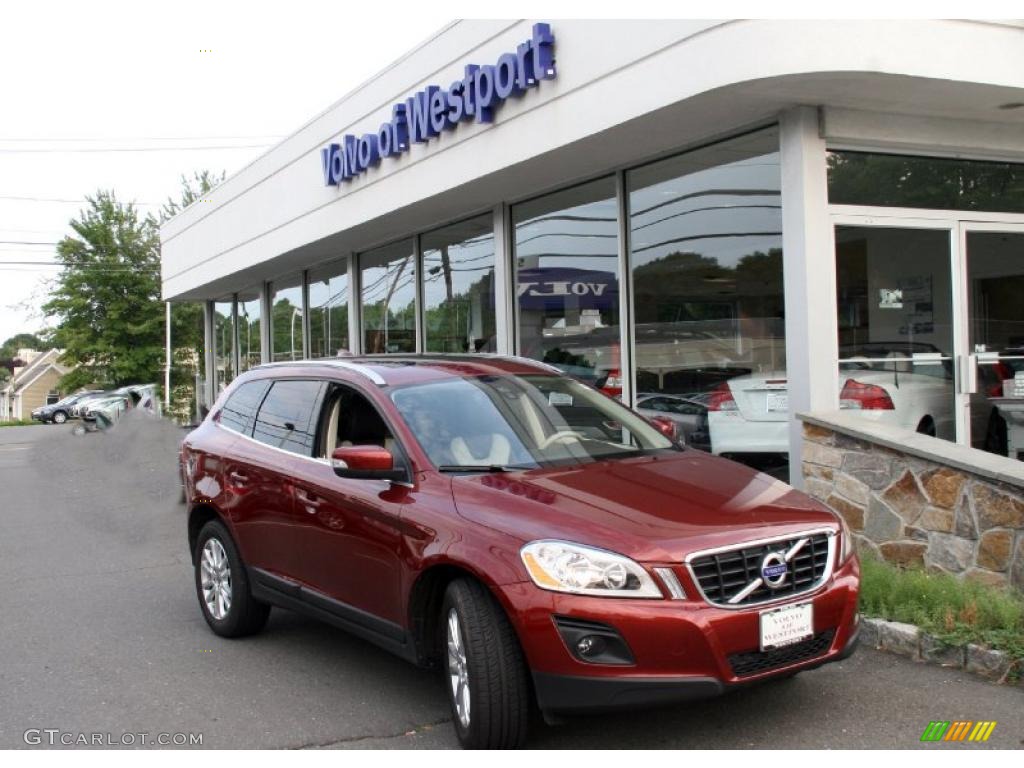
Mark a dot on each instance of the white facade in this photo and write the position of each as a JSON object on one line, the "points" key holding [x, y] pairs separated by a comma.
{"points": [[626, 92]]}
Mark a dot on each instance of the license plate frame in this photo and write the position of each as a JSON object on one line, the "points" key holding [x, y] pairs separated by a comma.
{"points": [[776, 402], [787, 625]]}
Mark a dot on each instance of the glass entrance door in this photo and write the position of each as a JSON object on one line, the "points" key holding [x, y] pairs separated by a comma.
{"points": [[993, 370], [894, 294]]}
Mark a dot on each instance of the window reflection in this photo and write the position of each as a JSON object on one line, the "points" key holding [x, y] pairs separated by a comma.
{"points": [[286, 303], [223, 344], [706, 259], [388, 280], [249, 329], [566, 247], [328, 310], [866, 178], [458, 287]]}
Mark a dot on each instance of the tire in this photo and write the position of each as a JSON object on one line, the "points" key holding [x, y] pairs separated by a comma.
{"points": [[239, 614], [485, 674], [59, 417]]}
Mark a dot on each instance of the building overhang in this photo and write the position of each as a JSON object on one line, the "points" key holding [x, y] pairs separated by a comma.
{"points": [[621, 97]]}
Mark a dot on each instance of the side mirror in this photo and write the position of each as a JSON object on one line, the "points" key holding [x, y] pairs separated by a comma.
{"points": [[667, 427], [365, 462]]}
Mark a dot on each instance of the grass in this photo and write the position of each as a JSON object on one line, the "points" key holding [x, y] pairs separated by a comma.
{"points": [[19, 423], [951, 610]]}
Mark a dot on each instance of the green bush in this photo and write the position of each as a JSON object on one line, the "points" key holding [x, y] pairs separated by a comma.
{"points": [[19, 423], [952, 610]]}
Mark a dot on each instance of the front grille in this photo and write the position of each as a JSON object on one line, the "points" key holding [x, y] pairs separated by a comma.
{"points": [[723, 575], [756, 662]]}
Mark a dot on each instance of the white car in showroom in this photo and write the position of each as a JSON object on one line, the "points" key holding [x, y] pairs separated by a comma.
{"points": [[903, 384]]}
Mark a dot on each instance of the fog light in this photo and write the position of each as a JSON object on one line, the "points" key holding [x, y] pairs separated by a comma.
{"points": [[592, 641]]}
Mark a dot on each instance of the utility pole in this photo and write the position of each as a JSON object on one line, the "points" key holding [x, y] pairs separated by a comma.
{"points": [[167, 362]]}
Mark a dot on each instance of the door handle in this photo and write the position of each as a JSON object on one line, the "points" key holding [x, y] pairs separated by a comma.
{"points": [[309, 500], [968, 374], [238, 477]]}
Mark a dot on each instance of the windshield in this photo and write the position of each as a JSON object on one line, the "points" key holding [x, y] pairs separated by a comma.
{"points": [[521, 421]]}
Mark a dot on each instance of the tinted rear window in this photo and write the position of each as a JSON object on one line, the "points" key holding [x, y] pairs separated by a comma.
{"points": [[287, 417], [240, 409]]}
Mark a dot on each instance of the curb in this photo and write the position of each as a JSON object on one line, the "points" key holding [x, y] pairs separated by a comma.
{"points": [[911, 641]]}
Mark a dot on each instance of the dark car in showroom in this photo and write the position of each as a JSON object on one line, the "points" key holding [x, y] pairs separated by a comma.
{"points": [[537, 541], [62, 410]]}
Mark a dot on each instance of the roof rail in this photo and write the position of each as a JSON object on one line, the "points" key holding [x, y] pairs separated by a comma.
{"points": [[331, 362]]}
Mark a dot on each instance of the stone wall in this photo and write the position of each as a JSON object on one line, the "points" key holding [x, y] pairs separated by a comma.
{"points": [[914, 510]]}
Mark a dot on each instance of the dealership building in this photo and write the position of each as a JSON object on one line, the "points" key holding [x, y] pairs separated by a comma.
{"points": [[731, 222]]}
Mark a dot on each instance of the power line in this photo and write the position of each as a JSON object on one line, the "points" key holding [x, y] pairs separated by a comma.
{"points": [[26, 242], [62, 200], [79, 150], [40, 140]]}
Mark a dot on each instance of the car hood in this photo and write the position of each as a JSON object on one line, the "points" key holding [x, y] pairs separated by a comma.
{"points": [[651, 508]]}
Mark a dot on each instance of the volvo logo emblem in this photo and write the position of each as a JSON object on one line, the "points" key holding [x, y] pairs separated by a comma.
{"points": [[774, 569]]}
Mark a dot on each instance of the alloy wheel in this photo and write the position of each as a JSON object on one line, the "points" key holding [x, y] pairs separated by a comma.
{"points": [[458, 670], [216, 579]]}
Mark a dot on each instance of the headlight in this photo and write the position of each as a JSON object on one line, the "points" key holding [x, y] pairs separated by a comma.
{"points": [[565, 567], [845, 540]]}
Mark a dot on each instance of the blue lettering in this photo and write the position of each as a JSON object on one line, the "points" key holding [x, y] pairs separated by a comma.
{"points": [[505, 76], [367, 151], [427, 113], [483, 84], [325, 161], [543, 61], [399, 129], [456, 111], [438, 108], [418, 109], [524, 65], [351, 157], [468, 99], [384, 143]]}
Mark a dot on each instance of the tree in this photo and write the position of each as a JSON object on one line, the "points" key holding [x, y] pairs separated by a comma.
{"points": [[9, 348], [107, 297], [9, 352]]}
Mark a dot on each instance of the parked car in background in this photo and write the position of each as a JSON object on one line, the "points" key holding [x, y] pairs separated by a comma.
{"points": [[689, 412], [78, 409], [59, 412], [897, 383], [533, 538], [107, 409]]}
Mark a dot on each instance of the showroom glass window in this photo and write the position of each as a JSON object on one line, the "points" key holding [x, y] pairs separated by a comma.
{"points": [[954, 184], [387, 278], [458, 287], [249, 329], [223, 344], [566, 247], [286, 318], [328, 309], [705, 251]]}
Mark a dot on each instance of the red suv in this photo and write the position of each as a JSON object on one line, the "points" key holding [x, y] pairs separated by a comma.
{"points": [[528, 534]]}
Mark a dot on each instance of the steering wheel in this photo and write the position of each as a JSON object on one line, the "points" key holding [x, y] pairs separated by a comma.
{"points": [[559, 437]]}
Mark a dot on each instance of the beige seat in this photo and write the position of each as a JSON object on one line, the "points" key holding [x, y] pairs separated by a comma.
{"points": [[499, 452]]}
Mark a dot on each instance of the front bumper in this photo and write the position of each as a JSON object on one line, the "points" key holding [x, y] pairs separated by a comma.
{"points": [[682, 649], [571, 694]]}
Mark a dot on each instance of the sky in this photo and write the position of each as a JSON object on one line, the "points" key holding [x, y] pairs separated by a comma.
{"points": [[172, 80]]}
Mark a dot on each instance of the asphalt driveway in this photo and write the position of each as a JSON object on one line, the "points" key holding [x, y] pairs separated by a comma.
{"points": [[100, 633]]}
